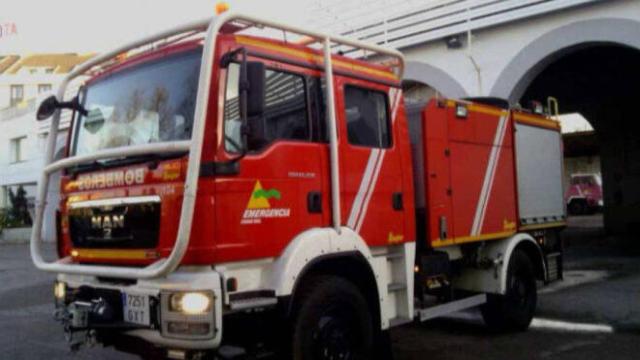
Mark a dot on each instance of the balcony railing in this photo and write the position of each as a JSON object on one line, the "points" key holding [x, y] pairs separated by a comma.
{"points": [[406, 23], [17, 110]]}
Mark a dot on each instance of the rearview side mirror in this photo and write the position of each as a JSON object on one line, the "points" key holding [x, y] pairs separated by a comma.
{"points": [[47, 107], [252, 103], [255, 81]]}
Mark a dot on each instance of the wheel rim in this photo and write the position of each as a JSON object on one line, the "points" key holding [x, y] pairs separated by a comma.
{"points": [[520, 291], [333, 338]]}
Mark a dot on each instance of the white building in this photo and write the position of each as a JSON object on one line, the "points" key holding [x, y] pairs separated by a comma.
{"points": [[24, 82]]}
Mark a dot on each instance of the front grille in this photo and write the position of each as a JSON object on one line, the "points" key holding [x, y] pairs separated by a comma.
{"points": [[118, 223]]}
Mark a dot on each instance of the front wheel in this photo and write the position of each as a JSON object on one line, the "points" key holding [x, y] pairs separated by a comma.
{"points": [[332, 322], [514, 310]]}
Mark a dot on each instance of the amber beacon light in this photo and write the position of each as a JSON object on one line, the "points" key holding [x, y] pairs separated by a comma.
{"points": [[221, 7]]}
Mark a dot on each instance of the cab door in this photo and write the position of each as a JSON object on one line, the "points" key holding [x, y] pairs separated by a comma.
{"points": [[279, 190], [373, 201]]}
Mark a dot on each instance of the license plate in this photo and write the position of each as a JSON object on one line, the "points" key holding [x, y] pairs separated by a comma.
{"points": [[136, 308]]}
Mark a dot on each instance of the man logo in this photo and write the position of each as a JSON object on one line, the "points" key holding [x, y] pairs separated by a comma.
{"points": [[107, 223]]}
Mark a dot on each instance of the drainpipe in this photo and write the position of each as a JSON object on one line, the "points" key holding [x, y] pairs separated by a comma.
{"points": [[475, 65]]}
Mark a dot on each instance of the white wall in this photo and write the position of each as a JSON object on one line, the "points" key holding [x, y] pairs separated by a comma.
{"points": [[494, 49]]}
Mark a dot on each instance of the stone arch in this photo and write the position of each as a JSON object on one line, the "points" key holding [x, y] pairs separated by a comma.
{"points": [[434, 77], [536, 56]]}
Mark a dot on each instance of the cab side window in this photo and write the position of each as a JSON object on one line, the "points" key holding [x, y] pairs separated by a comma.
{"points": [[367, 117], [286, 116]]}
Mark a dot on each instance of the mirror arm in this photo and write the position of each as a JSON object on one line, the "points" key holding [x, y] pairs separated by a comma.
{"points": [[74, 104], [227, 58]]}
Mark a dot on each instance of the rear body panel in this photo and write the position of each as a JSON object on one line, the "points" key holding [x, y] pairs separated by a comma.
{"points": [[488, 172], [469, 172], [540, 170]]}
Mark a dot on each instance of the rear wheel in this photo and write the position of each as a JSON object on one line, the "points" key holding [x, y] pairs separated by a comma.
{"points": [[332, 322], [514, 310]]}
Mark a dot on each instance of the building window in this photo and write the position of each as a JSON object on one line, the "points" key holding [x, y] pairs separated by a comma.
{"points": [[48, 71], [367, 117], [44, 88], [42, 141], [17, 94], [18, 149]]}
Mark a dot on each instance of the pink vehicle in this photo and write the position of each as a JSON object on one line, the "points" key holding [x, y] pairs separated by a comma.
{"points": [[585, 194]]}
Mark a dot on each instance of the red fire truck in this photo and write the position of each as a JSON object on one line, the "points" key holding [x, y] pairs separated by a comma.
{"points": [[223, 190]]}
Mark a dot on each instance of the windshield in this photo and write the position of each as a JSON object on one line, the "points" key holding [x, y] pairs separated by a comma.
{"points": [[150, 103]]}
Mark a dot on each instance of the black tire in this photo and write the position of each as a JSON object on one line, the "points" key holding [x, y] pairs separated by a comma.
{"points": [[577, 207], [514, 310], [332, 322]]}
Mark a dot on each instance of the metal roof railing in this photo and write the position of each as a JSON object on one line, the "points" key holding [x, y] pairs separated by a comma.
{"points": [[406, 23]]}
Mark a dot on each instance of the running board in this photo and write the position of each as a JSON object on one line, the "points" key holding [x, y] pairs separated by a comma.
{"points": [[450, 307], [253, 303]]}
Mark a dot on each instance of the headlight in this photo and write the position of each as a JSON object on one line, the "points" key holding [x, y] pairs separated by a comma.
{"points": [[59, 291], [190, 303]]}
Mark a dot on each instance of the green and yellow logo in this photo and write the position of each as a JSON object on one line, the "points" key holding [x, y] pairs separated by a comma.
{"points": [[259, 205], [260, 197]]}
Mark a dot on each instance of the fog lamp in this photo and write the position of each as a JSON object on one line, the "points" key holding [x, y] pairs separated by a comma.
{"points": [[190, 303]]}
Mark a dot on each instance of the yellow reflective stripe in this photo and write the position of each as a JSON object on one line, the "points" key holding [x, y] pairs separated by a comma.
{"points": [[466, 239], [242, 40], [536, 121], [120, 254], [544, 226], [483, 109]]}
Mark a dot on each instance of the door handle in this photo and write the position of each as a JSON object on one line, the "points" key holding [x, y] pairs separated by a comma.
{"points": [[397, 202], [314, 202]]}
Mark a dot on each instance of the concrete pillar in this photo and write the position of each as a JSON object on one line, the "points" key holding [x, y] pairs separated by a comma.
{"points": [[619, 134]]}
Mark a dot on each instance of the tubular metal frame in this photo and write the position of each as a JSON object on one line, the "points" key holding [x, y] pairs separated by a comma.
{"points": [[213, 27]]}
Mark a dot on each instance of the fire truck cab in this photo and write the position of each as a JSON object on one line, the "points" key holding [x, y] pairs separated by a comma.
{"points": [[222, 188]]}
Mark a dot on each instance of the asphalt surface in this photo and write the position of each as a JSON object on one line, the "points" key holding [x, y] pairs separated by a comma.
{"points": [[593, 314]]}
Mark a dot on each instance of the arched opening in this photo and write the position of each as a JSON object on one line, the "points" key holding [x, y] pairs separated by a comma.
{"points": [[422, 81], [601, 82], [416, 92]]}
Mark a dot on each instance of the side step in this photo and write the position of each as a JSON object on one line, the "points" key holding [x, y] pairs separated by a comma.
{"points": [[253, 303], [450, 307]]}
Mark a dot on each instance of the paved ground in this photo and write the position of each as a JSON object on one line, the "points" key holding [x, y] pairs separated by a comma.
{"points": [[594, 314]]}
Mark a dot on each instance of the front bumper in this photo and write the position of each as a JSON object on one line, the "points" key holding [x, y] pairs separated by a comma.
{"points": [[184, 279]]}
